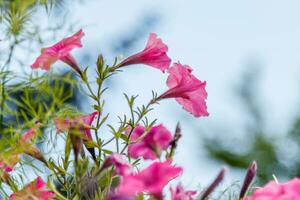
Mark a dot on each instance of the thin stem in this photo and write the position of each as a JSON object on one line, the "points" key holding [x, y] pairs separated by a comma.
{"points": [[109, 141], [97, 98], [134, 124]]}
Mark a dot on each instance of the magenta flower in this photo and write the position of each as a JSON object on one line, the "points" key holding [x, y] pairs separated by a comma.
{"points": [[277, 191], [150, 147], [179, 194], [150, 180], [154, 54], [122, 167], [187, 89], [80, 127], [37, 189], [60, 51]]}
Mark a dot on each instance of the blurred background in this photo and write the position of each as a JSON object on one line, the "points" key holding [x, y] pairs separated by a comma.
{"points": [[247, 51]]}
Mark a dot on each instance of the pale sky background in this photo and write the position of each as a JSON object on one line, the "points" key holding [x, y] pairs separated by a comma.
{"points": [[217, 39]]}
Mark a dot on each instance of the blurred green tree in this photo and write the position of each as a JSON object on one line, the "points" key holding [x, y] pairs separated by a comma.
{"points": [[256, 143]]}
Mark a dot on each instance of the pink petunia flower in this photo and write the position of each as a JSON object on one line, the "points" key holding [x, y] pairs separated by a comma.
{"points": [[187, 89], [36, 189], [157, 139], [60, 51], [150, 180], [81, 126], [278, 191], [82, 123], [122, 167], [154, 54], [179, 194]]}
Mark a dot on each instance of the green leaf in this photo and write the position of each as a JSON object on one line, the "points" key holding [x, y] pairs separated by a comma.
{"points": [[106, 151], [124, 137]]}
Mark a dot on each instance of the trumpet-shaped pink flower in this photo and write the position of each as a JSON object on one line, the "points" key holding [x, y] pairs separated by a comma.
{"points": [[187, 89], [122, 167], [157, 139], [179, 194], [154, 54], [37, 189], [81, 126], [150, 180], [60, 51], [88, 120], [277, 191]]}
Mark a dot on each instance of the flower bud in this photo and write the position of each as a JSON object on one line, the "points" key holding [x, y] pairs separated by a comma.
{"points": [[250, 175], [214, 184]]}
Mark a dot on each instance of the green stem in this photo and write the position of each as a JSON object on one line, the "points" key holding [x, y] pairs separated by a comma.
{"points": [[134, 124]]}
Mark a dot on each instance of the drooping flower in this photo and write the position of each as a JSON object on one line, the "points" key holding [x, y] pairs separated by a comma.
{"points": [[88, 120], [36, 189], [79, 127], [154, 54], [60, 51], [122, 167], [278, 191], [186, 89], [150, 180], [157, 139], [180, 194]]}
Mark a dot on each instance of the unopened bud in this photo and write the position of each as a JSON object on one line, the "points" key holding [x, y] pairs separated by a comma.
{"points": [[250, 175], [214, 184]]}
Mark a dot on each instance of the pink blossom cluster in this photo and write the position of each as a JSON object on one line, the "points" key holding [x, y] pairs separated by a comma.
{"points": [[154, 143], [188, 90], [152, 179]]}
